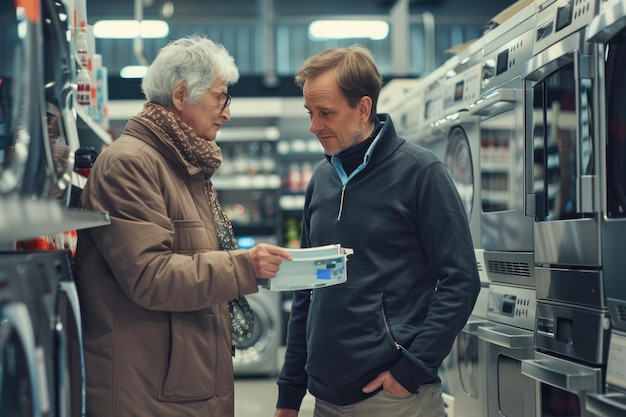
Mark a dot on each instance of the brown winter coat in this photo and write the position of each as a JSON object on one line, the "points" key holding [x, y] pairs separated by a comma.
{"points": [[154, 286]]}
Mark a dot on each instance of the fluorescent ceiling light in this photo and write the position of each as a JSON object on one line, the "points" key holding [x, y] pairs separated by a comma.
{"points": [[133, 71], [129, 29], [345, 29]]}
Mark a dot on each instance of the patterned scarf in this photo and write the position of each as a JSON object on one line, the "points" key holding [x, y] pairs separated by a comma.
{"points": [[207, 156]]}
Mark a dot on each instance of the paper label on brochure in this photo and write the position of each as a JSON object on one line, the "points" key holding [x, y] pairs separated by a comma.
{"points": [[315, 267]]}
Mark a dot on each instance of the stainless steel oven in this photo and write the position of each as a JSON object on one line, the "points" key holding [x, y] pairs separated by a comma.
{"points": [[563, 176], [613, 401], [562, 385], [506, 340], [506, 234], [607, 32]]}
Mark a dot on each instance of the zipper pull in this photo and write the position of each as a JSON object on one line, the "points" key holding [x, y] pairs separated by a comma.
{"points": [[343, 190]]}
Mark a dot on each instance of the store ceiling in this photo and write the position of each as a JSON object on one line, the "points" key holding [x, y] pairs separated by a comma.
{"points": [[198, 10]]}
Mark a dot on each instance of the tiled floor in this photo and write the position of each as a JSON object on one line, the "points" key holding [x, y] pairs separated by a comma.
{"points": [[256, 397]]}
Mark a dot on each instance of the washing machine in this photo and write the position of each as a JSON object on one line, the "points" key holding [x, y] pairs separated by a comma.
{"points": [[461, 136], [53, 304], [464, 366], [259, 355], [69, 370], [20, 366]]}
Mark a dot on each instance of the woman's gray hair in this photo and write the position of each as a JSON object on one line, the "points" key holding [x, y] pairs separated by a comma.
{"points": [[195, 61]]}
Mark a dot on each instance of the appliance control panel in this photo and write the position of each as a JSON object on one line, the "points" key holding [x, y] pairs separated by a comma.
{"points": [[462, 90], [507, 62], [512, 305], [558, 19]]}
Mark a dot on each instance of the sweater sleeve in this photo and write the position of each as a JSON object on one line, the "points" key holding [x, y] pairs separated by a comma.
{"points": [[292, 381], [442, 222]]}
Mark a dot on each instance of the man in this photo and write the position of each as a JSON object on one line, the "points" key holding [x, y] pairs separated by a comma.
{"points": [[372, 346]]}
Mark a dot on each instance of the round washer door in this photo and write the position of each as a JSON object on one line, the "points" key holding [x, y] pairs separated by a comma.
{"points": [[264, 340], [458, 159], [70, 360], [19, 392]]}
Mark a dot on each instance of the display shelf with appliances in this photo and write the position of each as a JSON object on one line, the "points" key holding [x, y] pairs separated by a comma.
{"points": [[24, 219], [90, 133], [297, 158], [247, 182]]}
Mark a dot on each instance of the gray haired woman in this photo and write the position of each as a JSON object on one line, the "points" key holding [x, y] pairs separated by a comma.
{"points": [[155, 284]]}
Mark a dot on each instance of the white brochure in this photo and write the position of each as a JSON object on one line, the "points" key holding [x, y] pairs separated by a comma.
{"points": [[310, 268]]}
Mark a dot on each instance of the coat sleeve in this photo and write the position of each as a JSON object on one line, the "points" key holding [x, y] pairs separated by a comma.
{"points": [[139, 246]]}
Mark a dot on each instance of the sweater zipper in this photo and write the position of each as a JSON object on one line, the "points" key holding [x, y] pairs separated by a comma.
{"points": [[343, 191], [397, 345]]}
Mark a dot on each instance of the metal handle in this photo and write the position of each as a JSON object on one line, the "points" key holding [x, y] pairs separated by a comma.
{"points": [[612, 404], [551, 59], [568, 377], [511, 341], [608, 24], [497, 102]]}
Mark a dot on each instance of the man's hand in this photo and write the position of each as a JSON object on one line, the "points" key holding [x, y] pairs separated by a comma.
{"points": [[284, 412], [388, 382]]}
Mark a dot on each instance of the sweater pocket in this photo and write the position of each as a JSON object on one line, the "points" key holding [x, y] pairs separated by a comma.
{"points": [[192, 364], [190, 236]]}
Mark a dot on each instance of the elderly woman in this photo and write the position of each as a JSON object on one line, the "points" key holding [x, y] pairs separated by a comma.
{"points": [[155, 284]]}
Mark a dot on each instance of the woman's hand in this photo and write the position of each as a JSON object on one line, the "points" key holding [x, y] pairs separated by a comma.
{"points": [[266, 259]]}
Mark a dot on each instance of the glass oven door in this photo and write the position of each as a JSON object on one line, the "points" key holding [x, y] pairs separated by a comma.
{"points": [[506, 234], [608, 32], [509, 393], [560, 170], [504, 227], [562, 385]]}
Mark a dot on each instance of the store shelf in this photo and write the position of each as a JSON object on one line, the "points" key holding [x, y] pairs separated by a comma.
{"points": [[251, 182], [291, 202], [90, 133], [25, 219]]}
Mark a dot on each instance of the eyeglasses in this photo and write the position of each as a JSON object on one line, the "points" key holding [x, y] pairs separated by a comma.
{"points": [[228, 98]]}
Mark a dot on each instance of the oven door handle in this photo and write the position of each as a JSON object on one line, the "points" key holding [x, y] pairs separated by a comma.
{"points": [[608, 24], [611, 404], [495, 336], [568, 376], [497, 102]]}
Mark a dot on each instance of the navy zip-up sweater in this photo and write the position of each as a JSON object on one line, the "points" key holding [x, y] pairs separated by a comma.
{"points": [[412, 280]]}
